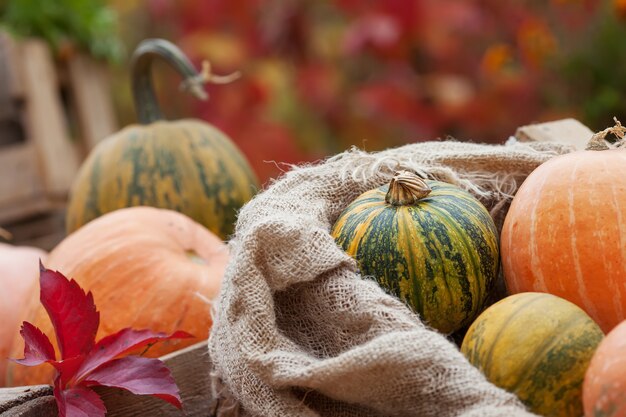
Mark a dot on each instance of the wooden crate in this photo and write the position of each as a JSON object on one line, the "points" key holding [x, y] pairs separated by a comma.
{"points": [[190, 368], [565, 130], [44, 230], [51, 114]]}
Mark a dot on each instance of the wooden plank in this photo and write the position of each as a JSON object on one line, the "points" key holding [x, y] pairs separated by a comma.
{"points": [[39, 407], [10, 398], [189, 366], [15, 65], [44, 231], [7, 110], [566, 131], [90, 87], [20, 177], [47, 241], [20, 209], [5, 234], [22, 191], [11, 126], [45, 119]]}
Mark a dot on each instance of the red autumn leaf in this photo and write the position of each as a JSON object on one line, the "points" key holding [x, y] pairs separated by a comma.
{"points": [[72, 312], [85, 363], [67, 368], [122, 342], [138, 375], [78, 402], [37, 346]]}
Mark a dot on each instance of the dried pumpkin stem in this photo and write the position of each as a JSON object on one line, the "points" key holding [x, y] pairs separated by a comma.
{"points": [[406, 188], [146, 103], [598, 140], [195, 84]]}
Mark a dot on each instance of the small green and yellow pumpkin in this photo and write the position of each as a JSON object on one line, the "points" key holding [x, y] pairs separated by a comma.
{"points": [[188, 165], [427, 242], [537, 346]]}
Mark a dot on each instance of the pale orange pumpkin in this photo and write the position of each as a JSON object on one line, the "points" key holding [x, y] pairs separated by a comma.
{"points": [[565, 232], [147, 268], [604, 388], [19, 270]]}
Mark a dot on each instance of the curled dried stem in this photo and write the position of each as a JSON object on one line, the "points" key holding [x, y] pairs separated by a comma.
{"points": [[598, 140], [195, 85]]}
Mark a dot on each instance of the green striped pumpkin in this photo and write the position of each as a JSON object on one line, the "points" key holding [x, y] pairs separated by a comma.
{"points": [[429, 243], [188, 165], [537, 346]]}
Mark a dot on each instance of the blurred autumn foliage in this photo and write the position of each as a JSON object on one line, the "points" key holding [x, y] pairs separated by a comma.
{"points": [[323, 75]]}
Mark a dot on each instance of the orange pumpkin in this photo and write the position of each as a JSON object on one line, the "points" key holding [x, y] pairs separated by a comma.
{"points": [[604, 388], [19, 270], [147, 268], [565, 232]]}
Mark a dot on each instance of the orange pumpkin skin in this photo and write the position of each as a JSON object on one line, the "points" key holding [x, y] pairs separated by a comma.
{"points": [[604, 388], [19, 270], [565, 233], [147, 268]]}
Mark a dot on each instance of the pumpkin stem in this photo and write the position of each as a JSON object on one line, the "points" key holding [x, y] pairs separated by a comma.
{"points": [[406, 188], [598, 142], [146, 103]]}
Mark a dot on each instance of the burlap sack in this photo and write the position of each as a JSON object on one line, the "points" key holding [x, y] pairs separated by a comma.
{"points": [[298, 332]]}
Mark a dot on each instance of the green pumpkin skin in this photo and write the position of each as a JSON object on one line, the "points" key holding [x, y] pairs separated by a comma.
{"points": [[537, 346], [187, 165], [439, 255]]}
